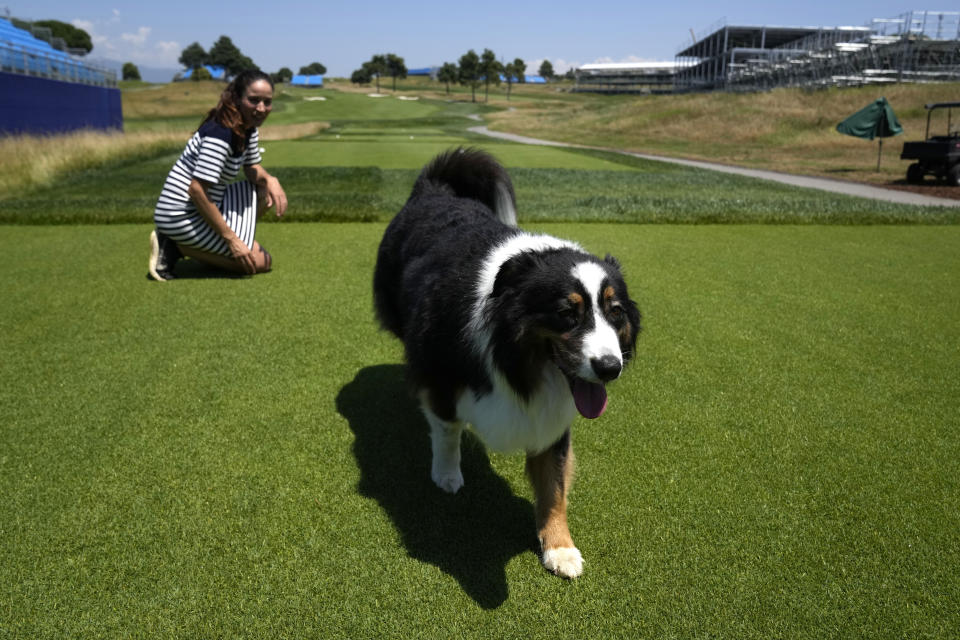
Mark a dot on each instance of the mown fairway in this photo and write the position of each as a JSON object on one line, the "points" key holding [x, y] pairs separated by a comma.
{"points": [[233, 457], [361, 167]]}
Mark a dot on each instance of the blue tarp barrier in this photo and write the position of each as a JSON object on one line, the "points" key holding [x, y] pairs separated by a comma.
{"points": [[307, 81], [217, 73], [527, 79], [41, 105]]}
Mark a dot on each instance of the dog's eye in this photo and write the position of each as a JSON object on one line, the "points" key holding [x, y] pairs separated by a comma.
{"points": [[569, 318], [616, 313]]}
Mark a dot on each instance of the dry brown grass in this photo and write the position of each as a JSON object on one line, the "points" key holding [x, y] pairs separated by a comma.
{"points": [[28, 161], [177, 99], [291, 131], [786, 130]]}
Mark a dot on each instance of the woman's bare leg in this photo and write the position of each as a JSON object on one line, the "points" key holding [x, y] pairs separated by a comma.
{"points": [[262, 260]]}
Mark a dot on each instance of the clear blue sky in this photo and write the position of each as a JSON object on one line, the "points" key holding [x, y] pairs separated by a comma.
{"points": [[342, 35]]}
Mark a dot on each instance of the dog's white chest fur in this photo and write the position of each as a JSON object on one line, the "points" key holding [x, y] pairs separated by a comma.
{"points": [[505, 422]]}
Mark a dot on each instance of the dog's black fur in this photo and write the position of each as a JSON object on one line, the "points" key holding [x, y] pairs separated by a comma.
{"points": [[425, 283]]}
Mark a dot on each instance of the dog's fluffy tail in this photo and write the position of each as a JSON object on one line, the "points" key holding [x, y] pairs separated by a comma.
{"points": [[473, 174]]}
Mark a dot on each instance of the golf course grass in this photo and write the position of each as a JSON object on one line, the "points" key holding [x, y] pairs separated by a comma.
{"points": [[239, 457]]}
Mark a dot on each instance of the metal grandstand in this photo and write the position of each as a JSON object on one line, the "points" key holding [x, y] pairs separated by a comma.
{"points": [[626, 77], [23, 54], [917, 46]]}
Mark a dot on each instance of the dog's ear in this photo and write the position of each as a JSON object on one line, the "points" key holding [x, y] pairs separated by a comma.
{"points": [[514, 271], [609, 259]]}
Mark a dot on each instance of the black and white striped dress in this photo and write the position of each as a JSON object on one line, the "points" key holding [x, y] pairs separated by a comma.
{"points": [[208, 157]]}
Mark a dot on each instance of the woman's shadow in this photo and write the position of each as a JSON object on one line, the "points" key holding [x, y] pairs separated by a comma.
{"points": [[471, 535]]}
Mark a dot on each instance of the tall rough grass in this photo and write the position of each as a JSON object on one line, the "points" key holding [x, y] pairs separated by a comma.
{"points": [[30, 161], [786, 129], [178, 99]]}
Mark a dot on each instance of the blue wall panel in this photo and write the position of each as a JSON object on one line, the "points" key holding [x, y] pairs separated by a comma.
{"points": [[39, 105]]}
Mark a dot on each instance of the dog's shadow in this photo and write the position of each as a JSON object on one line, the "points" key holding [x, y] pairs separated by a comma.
{"points": [[471, 535]]}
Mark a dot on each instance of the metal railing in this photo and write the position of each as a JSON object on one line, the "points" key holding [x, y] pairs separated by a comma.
{"points": [[23, 60]]}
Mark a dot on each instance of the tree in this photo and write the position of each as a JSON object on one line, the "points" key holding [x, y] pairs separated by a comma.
{"points": [[313, 69], [130, 71], [520, 69], [546, 70], [193, 56], [361, 75], [515, 70], [283, 75], [490, 69], [201, 73], [225, 54], [510, 73], [469, 75], [377, 66], [448, 73], [396, 68], [74, 37]]}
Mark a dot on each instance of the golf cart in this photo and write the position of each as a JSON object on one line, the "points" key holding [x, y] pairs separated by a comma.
{"points": [[939, 155]]}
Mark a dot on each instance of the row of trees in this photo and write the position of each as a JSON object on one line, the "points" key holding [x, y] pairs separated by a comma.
{"points": [[472, 71], [285, 74], [225, 54], [381, 64]]}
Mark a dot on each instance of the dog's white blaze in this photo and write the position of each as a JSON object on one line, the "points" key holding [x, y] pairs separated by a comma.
{"points": [[506, 423], [602, 341], [479, 334]]}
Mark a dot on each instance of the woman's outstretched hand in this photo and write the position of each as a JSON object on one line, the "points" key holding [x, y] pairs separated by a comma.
{"points": [[275, 196]]}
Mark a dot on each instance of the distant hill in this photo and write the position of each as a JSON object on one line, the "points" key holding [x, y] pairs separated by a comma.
{"points": [[147, 74]]}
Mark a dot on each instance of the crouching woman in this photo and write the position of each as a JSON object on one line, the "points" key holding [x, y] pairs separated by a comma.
{"points": [[202, 212]]}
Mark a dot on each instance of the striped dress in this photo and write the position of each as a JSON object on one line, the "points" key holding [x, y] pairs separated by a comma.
{"points": [[209, 158]]}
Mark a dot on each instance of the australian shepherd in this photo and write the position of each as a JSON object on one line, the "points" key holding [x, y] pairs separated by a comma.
{"points": [[512, 333]]}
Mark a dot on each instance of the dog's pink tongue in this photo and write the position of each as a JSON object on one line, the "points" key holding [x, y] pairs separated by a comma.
{"points": [[590, 398]]}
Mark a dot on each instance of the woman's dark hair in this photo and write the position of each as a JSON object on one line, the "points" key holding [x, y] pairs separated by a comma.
{"points": [[227, 112]]}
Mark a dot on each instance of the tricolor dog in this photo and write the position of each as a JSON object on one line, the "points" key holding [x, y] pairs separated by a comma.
{"points": [[509, 332]]}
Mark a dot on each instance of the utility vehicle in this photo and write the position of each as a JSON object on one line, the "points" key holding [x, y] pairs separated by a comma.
{"points": [[937, 155]]}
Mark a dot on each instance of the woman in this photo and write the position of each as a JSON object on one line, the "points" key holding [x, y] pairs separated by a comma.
{"points": [[201, 212]]}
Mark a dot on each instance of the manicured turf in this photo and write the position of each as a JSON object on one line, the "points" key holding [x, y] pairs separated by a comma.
{"points": [[238, 458], [349, 180], [220, 457], [412, 151]]}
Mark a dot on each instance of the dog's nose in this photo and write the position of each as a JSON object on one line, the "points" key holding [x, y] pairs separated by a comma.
{"points": [[607, 368]]}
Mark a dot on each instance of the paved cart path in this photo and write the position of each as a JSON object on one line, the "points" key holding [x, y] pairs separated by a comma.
{"points": [[824, 184]]}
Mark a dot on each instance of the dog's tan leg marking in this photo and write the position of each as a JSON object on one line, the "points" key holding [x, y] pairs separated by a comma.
{"points": [[551, 474]]}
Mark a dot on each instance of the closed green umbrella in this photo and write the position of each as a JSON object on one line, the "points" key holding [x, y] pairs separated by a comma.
{"points": [[876, 120]]}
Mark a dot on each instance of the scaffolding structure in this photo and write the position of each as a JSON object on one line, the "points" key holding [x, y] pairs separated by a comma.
{"points": [[626, 77], [918, 46]]}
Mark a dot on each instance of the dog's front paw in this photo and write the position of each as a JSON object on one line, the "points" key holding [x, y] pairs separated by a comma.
{"points": [[449, 481], [566, 562]]}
